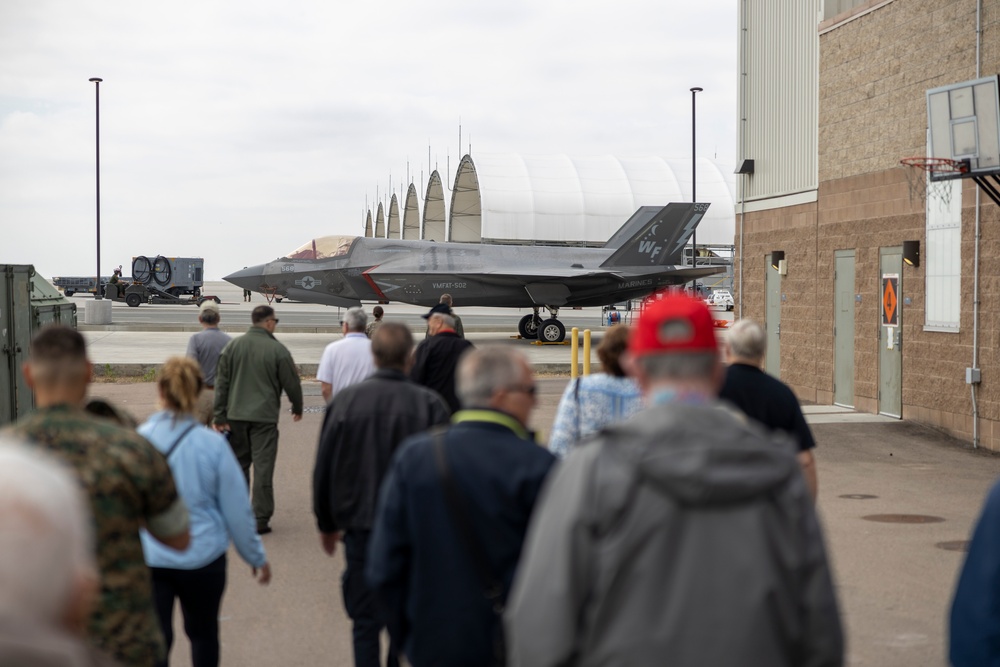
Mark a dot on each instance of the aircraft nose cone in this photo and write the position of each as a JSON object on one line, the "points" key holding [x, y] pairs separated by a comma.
{"points": [[249, 278]]}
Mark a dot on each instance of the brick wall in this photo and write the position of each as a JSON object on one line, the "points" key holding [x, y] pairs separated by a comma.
{"points": [[874, 73]]}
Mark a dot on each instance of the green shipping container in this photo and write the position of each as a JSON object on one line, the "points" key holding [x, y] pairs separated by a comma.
{"points": [[28, 302]]}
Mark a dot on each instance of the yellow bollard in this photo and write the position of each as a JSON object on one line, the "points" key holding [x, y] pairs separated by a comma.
{"points": [[575, 353], [586, 351]]}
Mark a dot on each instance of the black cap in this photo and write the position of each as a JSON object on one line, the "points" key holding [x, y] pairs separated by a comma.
{"points": [[440, 308]]}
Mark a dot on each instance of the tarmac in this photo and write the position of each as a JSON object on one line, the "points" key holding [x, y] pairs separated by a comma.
{"points": [[897, 502], [137, 353]]}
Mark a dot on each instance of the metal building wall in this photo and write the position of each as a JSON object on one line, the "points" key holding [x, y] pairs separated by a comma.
{"points": [[779, 96], [582, 200]]}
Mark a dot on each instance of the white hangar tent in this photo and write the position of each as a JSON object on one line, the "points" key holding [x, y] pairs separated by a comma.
{"points": [[556, 199]]}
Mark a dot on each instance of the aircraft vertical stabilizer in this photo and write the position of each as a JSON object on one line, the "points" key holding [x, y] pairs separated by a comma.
{"points": [[660, 241]]}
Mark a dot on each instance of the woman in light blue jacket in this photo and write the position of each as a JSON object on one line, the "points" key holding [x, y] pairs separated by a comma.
{"points": [[211, 483], [593, 401]]}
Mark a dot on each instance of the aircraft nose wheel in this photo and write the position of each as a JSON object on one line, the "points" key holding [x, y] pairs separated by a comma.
{"points": [[528, 326], [552, 331]]}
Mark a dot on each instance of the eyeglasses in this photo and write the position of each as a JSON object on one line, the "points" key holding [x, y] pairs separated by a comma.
{"points": [[274, 319], [530, 389]]}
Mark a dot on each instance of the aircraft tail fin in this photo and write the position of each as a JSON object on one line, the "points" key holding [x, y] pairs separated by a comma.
{"points": [[642, 215], [660, 241]]}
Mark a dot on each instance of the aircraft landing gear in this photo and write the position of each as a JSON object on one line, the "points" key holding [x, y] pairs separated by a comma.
{"points": [[552, 331], [528, 326], [548, 331]]}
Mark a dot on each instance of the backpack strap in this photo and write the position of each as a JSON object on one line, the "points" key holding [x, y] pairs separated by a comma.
{"points": [[170, 451], [492, 588]]}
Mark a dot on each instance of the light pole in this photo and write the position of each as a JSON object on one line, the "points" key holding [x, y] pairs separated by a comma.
{"points": [[97, 101], [694, 179]]}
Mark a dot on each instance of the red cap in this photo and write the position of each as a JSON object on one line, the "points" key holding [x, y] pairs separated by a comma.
{"points": [[674, 323]]}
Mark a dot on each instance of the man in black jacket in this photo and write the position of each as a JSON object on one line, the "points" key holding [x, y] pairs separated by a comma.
{"points": [[364, 425], [437, 355]]}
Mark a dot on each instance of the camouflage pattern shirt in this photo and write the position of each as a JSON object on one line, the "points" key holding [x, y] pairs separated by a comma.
{"points": [[128, 482]]}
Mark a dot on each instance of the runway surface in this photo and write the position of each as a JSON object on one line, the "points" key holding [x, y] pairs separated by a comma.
{"points": [[139, 339]]}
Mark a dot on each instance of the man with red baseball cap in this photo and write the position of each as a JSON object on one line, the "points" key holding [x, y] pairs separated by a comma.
{"points": [[685, 535]]}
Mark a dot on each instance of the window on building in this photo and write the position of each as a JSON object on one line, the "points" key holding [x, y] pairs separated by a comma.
{"points": [[942, 257], [833, 8]]}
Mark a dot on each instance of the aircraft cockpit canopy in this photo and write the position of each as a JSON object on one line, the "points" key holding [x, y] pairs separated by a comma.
{"points": [[324, 247]]}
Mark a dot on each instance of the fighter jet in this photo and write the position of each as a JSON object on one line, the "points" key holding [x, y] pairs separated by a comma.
{"points": [[643, 256]]}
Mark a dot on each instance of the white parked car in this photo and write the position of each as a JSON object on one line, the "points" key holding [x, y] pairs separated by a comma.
{"points": [[722, 298]]}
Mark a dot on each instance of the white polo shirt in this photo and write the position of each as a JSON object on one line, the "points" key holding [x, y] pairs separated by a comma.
{"points": [[346, 362]]}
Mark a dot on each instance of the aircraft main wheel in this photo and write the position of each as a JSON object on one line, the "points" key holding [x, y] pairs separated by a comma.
{"points": [[552, 331], [133, 300], [528, 326]]}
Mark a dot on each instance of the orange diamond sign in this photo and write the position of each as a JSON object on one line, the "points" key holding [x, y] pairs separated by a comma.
{"points": [[890, 300]]}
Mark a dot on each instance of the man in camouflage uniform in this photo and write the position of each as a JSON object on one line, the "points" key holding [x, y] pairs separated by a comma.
{"points": [[127, 481]]}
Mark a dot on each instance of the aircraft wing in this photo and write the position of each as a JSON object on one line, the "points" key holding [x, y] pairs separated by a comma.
{"points": [[528, 273], [542, 272]]}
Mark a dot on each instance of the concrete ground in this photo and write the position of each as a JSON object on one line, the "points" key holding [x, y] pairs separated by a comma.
{"points": [[894, 577], [897, 500]]}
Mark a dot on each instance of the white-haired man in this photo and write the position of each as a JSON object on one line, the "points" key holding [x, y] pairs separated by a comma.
{"points": [[426, 564], [349, 360], [362, 429], [763, 397], [48, 576], [683, 536]]}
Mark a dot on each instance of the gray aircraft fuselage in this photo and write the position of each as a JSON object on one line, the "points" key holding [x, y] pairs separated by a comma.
{"points": [[641, 258]]}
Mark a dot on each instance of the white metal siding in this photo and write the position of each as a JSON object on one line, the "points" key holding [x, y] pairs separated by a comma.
{"points": [[779, 95]]}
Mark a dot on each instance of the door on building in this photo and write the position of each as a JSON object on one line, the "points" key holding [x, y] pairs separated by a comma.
{"points": [[843, 328], [890, 353], [772, 322]]}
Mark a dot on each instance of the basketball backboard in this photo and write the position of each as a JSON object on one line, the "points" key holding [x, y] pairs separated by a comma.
{"points": [[964, 125]]}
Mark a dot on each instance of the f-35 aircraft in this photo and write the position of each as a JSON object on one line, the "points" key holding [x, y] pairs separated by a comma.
{"points": [[643, 256]]}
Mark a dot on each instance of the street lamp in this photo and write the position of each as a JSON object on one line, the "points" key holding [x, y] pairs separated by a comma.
{"points": [[694, 180], [97, 99]]}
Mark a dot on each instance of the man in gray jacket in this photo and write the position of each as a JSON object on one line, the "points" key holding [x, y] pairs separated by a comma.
{"points": [[683, 536]]}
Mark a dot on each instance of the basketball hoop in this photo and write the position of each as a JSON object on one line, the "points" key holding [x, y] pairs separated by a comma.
{"points": [[919, 180]]}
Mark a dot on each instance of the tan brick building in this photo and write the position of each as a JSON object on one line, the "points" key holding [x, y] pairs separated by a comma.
{"points": [[833, 95]]}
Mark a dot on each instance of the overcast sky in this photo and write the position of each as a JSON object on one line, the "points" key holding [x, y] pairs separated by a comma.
{"points": [[235, 131]]}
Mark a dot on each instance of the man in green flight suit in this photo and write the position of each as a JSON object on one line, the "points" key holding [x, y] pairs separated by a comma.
{"points": [[253, 371]]}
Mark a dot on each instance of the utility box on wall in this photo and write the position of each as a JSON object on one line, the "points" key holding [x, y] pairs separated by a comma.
{"points": [[28, 302]]}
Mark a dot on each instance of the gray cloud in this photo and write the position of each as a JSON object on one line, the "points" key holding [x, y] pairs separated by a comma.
{"points": [[235, 131]]}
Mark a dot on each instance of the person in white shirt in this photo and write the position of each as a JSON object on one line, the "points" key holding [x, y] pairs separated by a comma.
{"points": [[349, 360]]}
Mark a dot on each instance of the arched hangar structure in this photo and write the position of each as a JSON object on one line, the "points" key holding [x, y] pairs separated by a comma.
{"points": [[380, 222], [435, 210], [561, 200], [411, 214], [392, 221]]}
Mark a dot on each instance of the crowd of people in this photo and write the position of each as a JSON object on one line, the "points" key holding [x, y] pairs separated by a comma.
{"points": [[670, 519]]}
